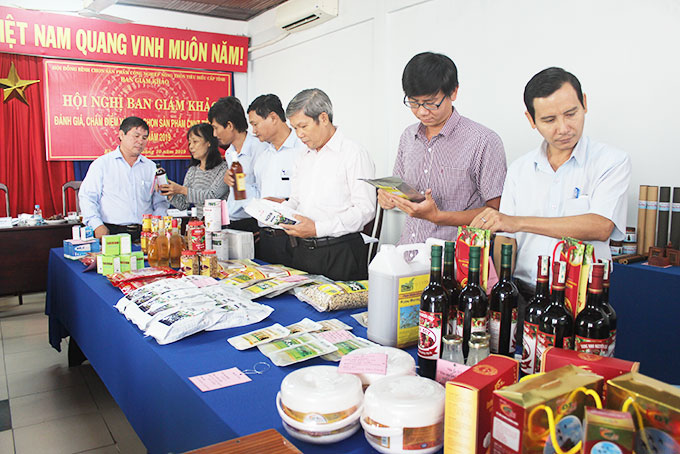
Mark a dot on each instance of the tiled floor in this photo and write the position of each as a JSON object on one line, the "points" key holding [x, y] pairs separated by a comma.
{"points": [[45, 406]]}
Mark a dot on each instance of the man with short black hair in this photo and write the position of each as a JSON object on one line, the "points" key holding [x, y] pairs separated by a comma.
{"points": [[230, 127], [458, 164], [327, 190], [570, 186], [119, 186]]}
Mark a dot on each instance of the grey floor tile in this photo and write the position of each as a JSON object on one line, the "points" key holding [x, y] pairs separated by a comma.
{"points": [[63, 436], [23, 325], [112, 449], [34, 360], [6, 442], [51, 405], [51, 378], [33, 304], [26, 343], [123, 433]]}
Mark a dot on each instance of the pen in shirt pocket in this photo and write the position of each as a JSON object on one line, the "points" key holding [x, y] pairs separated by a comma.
{"points": [[577, 192]]}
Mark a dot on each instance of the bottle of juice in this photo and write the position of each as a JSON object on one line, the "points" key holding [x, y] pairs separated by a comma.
{"points": [[163, 245], [176, 245]]}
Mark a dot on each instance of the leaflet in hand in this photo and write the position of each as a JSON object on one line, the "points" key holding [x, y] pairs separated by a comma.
{"points": [[270, 213], [396, 186]]}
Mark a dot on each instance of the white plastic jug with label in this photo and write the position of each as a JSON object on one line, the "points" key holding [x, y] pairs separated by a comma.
{"points": [[394, 289]]}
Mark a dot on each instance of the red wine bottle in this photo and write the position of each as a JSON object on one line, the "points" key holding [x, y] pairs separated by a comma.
{"points": [[432, 321], [473, 305], [503, 308], [533, 314], [608, 309], [557, 325], [591, 327], [451, 285]]}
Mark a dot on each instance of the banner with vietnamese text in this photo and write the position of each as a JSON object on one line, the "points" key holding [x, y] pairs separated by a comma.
{"points": [[63, 36], [86, 102]]}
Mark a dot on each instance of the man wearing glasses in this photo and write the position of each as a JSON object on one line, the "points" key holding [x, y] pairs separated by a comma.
{"points": [[459, 165]]}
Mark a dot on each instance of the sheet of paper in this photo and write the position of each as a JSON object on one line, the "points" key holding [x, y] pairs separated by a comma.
{"points": [[335, 336], [219, 379], [447, 371], [369, 363]]}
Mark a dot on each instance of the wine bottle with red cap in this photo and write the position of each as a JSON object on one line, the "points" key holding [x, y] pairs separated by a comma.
{"points": [[533, 313], [591, 327]]}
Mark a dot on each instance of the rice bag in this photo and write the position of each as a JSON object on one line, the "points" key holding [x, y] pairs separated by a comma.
{"points": [[181, 323], [234, 310], [331, 295]]}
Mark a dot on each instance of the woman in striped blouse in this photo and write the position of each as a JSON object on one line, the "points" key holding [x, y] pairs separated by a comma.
{"points": [[205, 177]]}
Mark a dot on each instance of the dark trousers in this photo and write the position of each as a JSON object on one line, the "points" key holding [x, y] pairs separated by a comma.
{"points": [[273, 247], [346, 259], [135, 230]]}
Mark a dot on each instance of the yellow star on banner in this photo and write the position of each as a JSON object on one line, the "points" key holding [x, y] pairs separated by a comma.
{"points": [[13, 84]]}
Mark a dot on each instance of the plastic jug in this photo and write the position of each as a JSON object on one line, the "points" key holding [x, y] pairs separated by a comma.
{"points": [[394, 289]]}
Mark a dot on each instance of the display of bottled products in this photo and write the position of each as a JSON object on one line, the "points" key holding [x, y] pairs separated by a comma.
{"points": [[556, 327], [533, 314], [503, 308], [591, 327], [473, 305], [432, 318]]}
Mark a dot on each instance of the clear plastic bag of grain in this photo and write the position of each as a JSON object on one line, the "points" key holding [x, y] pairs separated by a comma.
{"points": [[328, 295]]}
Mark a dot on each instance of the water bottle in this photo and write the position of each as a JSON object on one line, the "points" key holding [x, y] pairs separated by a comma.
{"points": [[37, 214]]}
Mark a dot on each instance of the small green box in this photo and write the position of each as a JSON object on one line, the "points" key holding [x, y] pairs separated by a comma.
{"points": [[125, 262], [111, 245], [140, 259]]}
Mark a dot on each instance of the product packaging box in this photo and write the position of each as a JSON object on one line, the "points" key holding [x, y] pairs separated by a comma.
{"points": [[554, 358], [111, 245], [100, 264], [655, 407], [608, 431], [469, 401], [140, 259], [74, 249], [110, 264], [125, 243], [126, 261], [521, 412]]}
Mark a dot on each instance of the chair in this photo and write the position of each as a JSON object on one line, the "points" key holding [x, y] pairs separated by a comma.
{"points": [[4, 188], [373, 229], [75, 185]]}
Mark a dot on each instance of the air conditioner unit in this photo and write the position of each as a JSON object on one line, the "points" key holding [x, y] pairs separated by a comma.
{"points": [[296, 15]]}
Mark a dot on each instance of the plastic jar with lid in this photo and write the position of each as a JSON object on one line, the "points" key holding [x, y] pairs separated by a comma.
{"points": [[196, 236], [209, 266], [189, 263]]}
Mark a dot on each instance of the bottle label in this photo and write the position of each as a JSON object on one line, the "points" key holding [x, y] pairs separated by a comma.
{"points": [[612, 343], [544, 340], [408, 304], [513, 332], [240, 181], [430, 335], [460, 315], [479, 325], [593, 346], [495, 331], [529, 340]]}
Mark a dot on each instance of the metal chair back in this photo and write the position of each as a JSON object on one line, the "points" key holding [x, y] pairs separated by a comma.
{"points": [[75, 185], [4, 188]]}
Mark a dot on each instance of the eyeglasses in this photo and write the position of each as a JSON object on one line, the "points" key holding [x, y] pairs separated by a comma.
{"points": [[428, 105]]}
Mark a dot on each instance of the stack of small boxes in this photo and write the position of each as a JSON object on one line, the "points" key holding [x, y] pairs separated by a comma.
{"points": [[82, 243], [117, 255]]}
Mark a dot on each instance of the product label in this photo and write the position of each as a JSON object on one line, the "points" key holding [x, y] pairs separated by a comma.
{"points": [[664, 206], [477, 325], [544, 341], [419, 438], [240, 181], [529, 340], [593, 346], [495, 331], [612, 343], [430, 335], [318, 418], [408, 308]]}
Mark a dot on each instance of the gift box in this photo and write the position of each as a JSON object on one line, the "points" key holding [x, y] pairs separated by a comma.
{"points": [[468, 237], [469, 401], [655, 407], [530, 416], [608, 431]]}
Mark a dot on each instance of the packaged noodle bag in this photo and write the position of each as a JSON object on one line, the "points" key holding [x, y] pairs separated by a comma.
{"points": [[467, 237], [655, 407], [579, 258], [543, 414]]}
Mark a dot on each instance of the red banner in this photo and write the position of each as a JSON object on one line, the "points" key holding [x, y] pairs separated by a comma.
{"points": [[59, 35], [86, 102]]}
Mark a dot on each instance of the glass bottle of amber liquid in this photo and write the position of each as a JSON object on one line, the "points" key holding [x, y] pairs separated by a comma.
{"points": [[176, 245], [432, 318], [591, 327], [557, 325], [473, 305], [450, 284], [163, 246], [533, 315], [152, 248], [239, 178]]}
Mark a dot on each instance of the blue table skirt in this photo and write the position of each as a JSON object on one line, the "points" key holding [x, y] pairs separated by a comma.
{"points": [[150, 381], [647, 304]]}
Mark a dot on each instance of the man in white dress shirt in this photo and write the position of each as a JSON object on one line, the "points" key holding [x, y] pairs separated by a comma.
{"points": [[327, 190], [570, 186]]}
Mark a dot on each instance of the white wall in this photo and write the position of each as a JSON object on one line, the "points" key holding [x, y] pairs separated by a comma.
{"points": [[623, 52]]}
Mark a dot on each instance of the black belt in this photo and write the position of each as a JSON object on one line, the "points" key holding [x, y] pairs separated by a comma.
{"points": [[273, 232], [315, 243], [130, 227]]}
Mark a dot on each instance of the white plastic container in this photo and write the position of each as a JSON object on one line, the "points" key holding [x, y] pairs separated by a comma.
{"points": [[399, 363], [212, 215], [404, 415], [319, 405], [394, 288]]}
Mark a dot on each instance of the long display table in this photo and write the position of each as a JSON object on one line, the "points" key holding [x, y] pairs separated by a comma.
{"points": [[150, 381]]}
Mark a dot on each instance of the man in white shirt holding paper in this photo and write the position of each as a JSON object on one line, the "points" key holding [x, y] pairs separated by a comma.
{"points": [[326, 189], [570, 186]]}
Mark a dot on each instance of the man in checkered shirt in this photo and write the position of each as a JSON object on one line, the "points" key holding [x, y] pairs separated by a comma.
{"points": [[457, 164]]}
